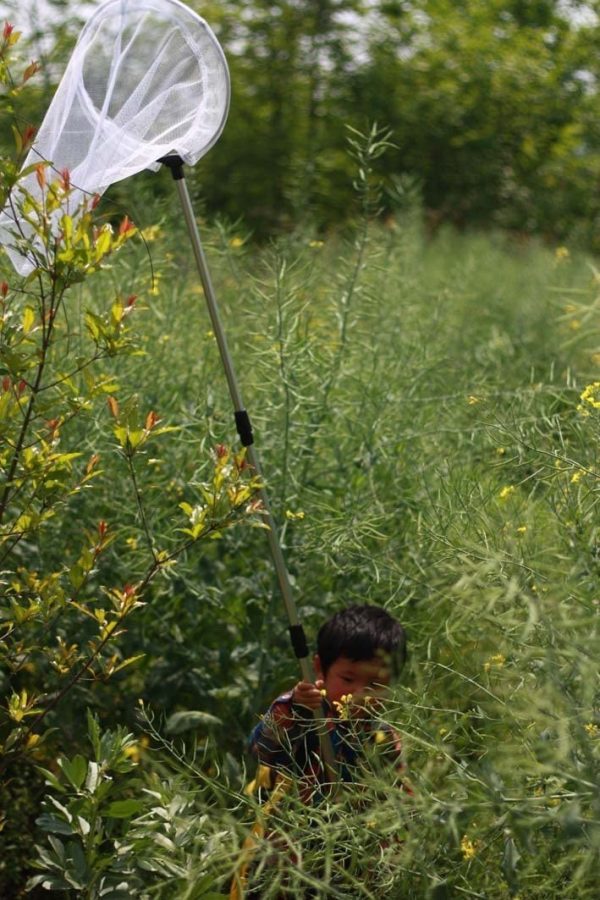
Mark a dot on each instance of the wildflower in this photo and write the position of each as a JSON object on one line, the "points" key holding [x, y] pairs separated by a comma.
{"points": [[592, 730], [500, 451], [506, 492], [576, 477], [575, 324], [134, 751], [468, 848], [561, 254], [342, 706], [155, 287], [496, 661], [8, 30], [294, 515], [236, 242], [209, 334], [590, 396], [151, 233], [472, 400], [132, 543], [521, 529], [316, 245]]}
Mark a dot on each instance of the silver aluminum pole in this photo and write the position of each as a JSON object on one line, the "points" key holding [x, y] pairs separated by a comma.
{"points": [[297, 635]]}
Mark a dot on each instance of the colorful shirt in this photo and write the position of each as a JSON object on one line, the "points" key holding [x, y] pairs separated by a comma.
{"points": [[287, 741]]}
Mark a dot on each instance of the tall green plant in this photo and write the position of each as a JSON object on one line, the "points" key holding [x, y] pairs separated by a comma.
{"points": [[64, 601]]}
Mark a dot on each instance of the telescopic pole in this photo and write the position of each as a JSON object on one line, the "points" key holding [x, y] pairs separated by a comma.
{"points": [[244, 429]]}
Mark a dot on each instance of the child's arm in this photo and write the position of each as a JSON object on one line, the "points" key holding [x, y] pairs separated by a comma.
{"points": [[286, 721]]}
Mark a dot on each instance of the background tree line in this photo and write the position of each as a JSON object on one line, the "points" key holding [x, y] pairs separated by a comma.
{"points": [[493, 106]]}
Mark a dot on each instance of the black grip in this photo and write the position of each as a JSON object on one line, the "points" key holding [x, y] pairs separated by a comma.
{"points": [[298, 639], [175, 164], [244, 427]]}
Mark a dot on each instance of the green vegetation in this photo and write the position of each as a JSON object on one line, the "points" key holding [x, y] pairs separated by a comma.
{"points": [[427, 410]]}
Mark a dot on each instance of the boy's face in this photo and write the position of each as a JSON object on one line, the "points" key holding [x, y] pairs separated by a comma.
{"points": [[361, 678]]}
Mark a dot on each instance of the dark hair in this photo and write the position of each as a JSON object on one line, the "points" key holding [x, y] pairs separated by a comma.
{"points": [[360, 633]]}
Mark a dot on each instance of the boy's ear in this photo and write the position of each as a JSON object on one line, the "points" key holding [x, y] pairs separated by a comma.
{"points": [[317, 665]]}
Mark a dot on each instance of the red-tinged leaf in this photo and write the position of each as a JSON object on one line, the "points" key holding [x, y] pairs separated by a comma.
{"points": [[21, 386], [93, 462], [65, 180], [221, 451], [151, 420], [4, 288], [8, 30], [30, 71], [40, 174], [113, 406], [102, 527], [28, 135], [126, 226], [6, 383], [95, 201], [130, 300]]}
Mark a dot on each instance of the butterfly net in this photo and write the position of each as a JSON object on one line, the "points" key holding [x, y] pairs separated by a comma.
{"points": [[147, 78]]}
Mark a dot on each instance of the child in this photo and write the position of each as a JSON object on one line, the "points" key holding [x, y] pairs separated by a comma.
{"points": [[359, 650]]}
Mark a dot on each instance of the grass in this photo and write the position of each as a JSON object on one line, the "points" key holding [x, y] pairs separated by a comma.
{"points": [[417, 419]]}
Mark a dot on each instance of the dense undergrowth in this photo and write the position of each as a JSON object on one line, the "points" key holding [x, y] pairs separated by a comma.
{"points": [[426, 411]]}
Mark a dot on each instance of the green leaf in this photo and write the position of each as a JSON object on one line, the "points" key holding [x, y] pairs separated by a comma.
{"points": [[28, 319], [186, 719], [123, 809], [48, 822], [75, 770]]}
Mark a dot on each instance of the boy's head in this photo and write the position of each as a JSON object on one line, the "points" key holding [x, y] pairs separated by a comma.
{"points": [[358, 650]]}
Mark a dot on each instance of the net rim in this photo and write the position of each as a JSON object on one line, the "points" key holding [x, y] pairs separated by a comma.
{"points": [[161, 6]]}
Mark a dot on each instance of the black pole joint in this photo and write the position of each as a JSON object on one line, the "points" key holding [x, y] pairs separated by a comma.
{"points": [[244, 427], [175, 164], [298, 639]]}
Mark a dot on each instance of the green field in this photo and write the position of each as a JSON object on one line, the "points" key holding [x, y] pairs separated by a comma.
{"points": [[417, 408]]}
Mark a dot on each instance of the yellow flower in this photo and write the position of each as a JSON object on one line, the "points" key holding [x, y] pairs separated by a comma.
{"points": [[468, 848], [575, 324], [132, 543], [592, 730], [155, 287], [576, 477], [521, 529], [316, 245], [134, 751], [236, 242], [151, 233], [500, 451], [294, 515], [561, 254], [472, 399], [506, 492], [497, 661], [590, 396]]}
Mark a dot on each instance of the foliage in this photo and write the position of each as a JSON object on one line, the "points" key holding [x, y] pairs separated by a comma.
{"points": [[62, 607], [426, 412]]}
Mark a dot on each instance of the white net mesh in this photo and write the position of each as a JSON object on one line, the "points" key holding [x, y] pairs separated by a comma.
{"points": [[147, 78]]}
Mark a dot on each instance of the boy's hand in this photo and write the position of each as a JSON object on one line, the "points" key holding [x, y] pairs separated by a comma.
{"points": [[307, 694]]}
